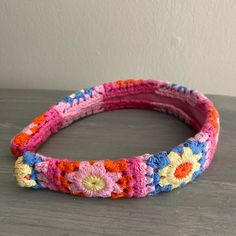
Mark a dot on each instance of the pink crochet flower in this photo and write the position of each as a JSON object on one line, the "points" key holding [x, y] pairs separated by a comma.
{"points": [[93, 180]]}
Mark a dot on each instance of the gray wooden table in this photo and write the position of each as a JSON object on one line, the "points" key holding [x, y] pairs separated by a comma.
{"points": [[205, 207]]}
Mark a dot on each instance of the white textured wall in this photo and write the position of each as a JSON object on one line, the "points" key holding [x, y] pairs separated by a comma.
{"points": [[71, 44]]}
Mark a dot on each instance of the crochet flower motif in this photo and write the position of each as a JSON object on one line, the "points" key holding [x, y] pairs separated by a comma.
{"points": [[92, 180], [178, 167], [22, 172], [181, 168]]}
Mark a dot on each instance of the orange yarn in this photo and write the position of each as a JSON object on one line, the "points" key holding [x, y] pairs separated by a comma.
{"points": [[124, 181], [34, 129], [119, 166], [214, 113], [183, 170], [40, 119], [213, 119], [119, 195], [115, 166], [21, 139], [67, 167], [129, 82], [15, 152], [119, 83], [64, 183]]}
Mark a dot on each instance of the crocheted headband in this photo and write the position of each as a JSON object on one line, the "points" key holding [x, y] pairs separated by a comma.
{"points": [[138, 176]]}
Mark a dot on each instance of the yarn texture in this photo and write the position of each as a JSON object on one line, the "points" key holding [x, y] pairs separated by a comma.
{"points": [[139, 176]]}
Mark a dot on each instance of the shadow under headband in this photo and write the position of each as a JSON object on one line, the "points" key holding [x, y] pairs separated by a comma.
{"points": [[139, 176]]}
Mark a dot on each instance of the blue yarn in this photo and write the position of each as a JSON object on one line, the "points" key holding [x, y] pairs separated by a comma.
{"points": [[202, 160], [68, 99], [196, 147], [89, 91], [166, 188], [197, 173], [154, 192], [79, 95], [182, 88], [31, 158], [159, 160], [33, 175], [178, 149], [156, 179], [204, 154], [159, 189], [37, 186], [173, 84]]}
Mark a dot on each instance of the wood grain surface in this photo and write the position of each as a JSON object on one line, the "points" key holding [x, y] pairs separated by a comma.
{"points": [[204, 207]]}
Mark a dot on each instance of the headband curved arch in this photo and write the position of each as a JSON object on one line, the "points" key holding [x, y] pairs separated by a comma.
{"points": [[139, 176]]}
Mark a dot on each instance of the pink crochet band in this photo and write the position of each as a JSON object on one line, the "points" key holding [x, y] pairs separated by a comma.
{"points": [[139, 176]]}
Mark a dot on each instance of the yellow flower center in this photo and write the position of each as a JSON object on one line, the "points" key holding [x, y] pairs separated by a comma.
{"points": [[94, 183]]}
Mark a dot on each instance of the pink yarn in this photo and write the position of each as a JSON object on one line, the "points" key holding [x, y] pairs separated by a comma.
{"points": [[128, 177], [98, 170]]}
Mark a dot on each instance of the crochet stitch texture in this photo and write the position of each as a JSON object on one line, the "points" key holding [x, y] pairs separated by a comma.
{"points": [[139, 176]]}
